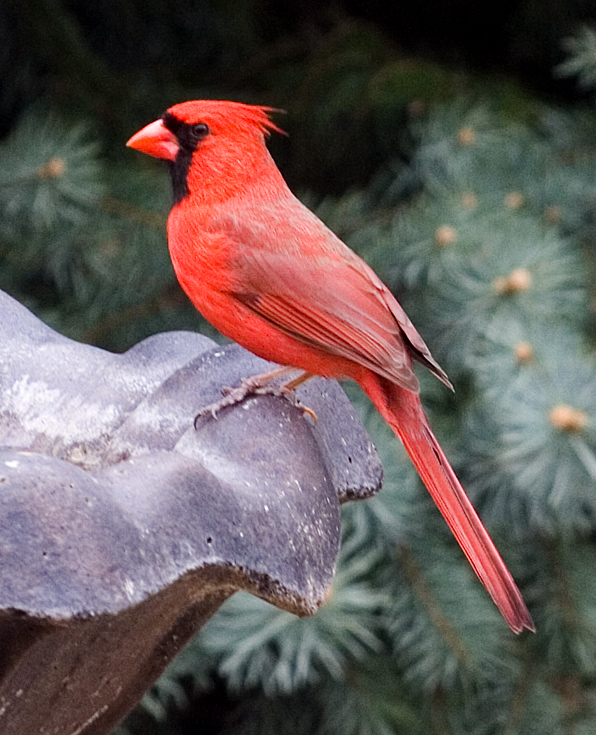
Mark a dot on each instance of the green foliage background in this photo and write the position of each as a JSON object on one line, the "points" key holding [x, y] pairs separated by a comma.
{"points": [[458, 157]]}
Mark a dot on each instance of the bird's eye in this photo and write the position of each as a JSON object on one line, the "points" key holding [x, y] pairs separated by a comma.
{"points": [[200, 131]]}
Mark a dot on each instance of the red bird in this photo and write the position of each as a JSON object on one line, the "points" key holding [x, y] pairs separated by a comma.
{"points": [[268, 274]]}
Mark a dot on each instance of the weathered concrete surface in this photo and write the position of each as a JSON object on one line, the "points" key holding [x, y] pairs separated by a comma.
{"points": [[122, 529]]}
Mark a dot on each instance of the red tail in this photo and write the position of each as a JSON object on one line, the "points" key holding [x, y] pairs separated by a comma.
{"points": [[403, 411]]}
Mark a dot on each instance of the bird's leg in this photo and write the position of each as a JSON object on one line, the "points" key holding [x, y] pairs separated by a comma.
{"points": [[259, 384], [289, 388]]}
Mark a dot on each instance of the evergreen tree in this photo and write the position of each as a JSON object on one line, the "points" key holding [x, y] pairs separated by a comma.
{"points": [[480, 216]]}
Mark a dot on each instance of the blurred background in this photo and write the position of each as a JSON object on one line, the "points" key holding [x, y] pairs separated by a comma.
{"points": [[453, 145]]}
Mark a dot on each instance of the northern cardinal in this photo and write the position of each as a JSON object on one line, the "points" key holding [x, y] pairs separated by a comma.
{"points": [[268, 274]]}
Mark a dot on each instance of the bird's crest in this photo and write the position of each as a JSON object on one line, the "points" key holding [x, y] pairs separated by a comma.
{"points": [[225, 115]]}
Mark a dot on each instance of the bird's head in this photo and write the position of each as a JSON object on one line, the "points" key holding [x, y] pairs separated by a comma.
{"points": [[208, 143]]}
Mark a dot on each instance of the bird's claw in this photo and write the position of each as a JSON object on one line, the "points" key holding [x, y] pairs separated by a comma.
{"points": [[307, 411], [250, 387]]}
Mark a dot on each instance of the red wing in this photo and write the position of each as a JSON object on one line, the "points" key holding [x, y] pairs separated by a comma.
{"points": [[328, 298], [341, 335]]}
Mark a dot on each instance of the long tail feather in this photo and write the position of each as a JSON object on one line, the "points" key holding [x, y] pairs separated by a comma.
{"points": [[403, 411]]}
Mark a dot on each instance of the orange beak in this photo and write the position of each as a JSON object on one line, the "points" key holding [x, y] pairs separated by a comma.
{"points": [[155, 140]]}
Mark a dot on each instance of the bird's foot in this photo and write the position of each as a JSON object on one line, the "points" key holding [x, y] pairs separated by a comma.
{"points": [[259, 385]]}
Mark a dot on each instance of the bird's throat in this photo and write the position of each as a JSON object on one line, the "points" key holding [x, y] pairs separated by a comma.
{"points": [[179, 174]]}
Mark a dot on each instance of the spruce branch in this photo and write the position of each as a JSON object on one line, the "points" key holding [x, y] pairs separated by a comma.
{"points": [[497, 285], [255, 644], [581, 63], [441, 624], [52, 169], [371, 701], [169, 297], [445, 629], [51, 174], [544, 440], [563, 589], [138, 215], [524, 682]]}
